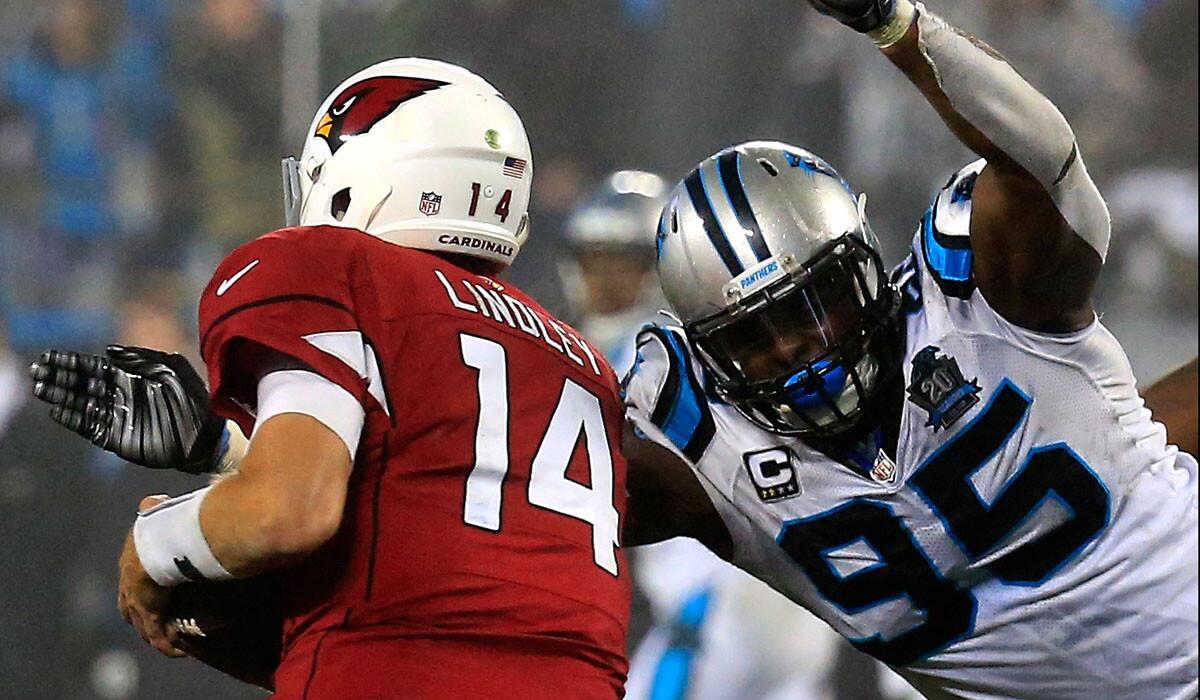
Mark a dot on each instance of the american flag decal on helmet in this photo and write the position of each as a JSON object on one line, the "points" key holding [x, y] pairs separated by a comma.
{"points": [[515, 167]]}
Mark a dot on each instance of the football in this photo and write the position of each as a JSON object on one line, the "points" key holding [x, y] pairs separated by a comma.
{"points": [[233, 626]]}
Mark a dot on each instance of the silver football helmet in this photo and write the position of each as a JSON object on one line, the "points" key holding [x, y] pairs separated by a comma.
{"points": [[766, 256]]}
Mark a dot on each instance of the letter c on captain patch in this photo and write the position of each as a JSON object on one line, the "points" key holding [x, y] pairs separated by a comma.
{"points": [[773, 473]]}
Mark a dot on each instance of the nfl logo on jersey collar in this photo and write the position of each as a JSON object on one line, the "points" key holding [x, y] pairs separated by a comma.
{"points": [[884, 470], [938, 386]]}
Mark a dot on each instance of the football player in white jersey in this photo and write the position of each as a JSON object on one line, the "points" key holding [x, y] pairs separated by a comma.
{"points": [[608, 275], [951, 466], [716, 632]]}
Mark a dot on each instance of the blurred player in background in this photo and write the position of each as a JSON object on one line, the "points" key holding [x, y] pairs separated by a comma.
{"points": [[608, 276], [433, 457], [950, 465]]}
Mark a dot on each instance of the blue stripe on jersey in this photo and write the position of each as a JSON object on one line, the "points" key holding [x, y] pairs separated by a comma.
{"points": [[952, 264], [682, 410], [948, 258], [674, 673], [685, 414]]}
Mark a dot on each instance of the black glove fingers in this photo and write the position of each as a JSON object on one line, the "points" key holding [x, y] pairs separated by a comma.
{"points": [[39, 370], [70, 414], [92, 365], [52, 393], [97, 419], [55, 386], [69, 379], [97, 388], [59, 359], [58, 413], [131, 398], [67, 369], [41, 389]]}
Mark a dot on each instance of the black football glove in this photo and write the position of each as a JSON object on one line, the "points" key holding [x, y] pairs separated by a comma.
{"points": [[145, 406], [861, 15]]}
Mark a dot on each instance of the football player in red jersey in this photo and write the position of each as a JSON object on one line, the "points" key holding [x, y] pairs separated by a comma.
{"points": [[433, 457]]}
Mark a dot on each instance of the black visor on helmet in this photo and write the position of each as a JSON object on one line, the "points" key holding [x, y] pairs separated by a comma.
{"points": [[803, 355]]}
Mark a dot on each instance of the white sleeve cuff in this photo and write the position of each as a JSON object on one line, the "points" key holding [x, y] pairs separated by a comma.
{"points": [[171, 545], [308, 393]]}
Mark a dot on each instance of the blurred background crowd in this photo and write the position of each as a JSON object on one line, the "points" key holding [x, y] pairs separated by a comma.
{"points": [[140, 141]]}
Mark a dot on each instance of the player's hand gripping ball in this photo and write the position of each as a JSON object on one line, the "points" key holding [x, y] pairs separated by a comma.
{"points": [[233, 626]]}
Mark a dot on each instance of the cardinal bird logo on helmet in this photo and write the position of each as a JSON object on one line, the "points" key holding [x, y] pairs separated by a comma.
{"points": [[362, 105]]}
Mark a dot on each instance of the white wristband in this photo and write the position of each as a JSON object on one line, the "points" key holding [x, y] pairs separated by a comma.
{"points": [[171, 545]]}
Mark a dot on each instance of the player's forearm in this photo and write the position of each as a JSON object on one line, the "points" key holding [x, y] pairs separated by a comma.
{"points": [[984, 101], [273, 511], [248, 533], [1173, 401], [996, 113]]}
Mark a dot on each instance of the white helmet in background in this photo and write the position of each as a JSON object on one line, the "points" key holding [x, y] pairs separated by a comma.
{"points": [[420, 153]]}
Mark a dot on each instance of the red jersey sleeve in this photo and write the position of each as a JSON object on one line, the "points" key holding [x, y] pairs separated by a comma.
{"points": [[290, 292]]}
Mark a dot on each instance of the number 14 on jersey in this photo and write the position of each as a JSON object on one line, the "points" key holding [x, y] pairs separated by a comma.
{"points": [[578, 410]]}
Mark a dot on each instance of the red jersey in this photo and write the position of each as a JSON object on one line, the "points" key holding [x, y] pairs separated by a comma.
{"points": [[478, 555]]}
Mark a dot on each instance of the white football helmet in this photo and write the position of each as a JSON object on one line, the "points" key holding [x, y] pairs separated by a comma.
{"points": [[420, 153]]}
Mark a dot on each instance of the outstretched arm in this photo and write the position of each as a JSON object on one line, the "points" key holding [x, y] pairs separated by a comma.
{"points": [[1039, 227], [666, 499], [146, 406]]}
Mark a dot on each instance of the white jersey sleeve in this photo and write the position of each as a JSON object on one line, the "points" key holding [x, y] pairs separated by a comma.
{"points": [[667, 403], [664, 396]]}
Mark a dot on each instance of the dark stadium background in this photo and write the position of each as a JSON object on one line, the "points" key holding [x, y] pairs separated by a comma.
{"points": [[140, 141]]}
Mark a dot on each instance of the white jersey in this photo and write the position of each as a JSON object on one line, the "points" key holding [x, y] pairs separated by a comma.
{"points": [[1034, 536]]}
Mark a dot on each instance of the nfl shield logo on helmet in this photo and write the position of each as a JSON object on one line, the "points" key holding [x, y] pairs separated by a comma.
{"points": [[938, 387], [431, 203]]}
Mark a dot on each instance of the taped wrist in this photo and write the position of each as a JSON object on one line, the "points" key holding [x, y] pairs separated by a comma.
{"points": [[171, 545], [895, 29], [1018, 120], [230, 450]]}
